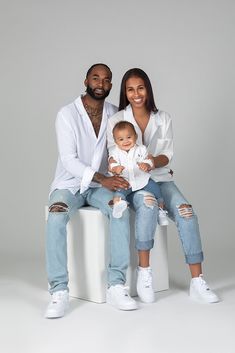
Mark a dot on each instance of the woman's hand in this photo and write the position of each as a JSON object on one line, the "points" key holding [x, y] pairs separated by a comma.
{"points": [[159, 161]]}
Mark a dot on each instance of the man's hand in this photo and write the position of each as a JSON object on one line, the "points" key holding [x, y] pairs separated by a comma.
{"points": [[114, 183], [144, 166]]}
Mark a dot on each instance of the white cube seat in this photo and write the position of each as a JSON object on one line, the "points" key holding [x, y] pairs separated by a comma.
{"points": [[88, 256]]}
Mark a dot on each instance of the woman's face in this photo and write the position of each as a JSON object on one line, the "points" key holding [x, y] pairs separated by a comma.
{"points": [[136, 92]]}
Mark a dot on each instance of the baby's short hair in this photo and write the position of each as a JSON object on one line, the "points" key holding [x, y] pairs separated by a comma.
{"points": [[123, 124]]}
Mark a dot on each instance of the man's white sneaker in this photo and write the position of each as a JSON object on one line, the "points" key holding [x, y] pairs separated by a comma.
{"points": [[119, 297], [118, 208], [162, 217], [144, 284], [59, 303], [200, 291]]}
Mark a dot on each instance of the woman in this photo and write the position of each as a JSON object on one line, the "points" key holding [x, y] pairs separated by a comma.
{"points": [[154, 129]]}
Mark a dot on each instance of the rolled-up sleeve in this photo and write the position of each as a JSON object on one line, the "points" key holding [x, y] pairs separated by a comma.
{"points": [[162, 142], [167, 141]]}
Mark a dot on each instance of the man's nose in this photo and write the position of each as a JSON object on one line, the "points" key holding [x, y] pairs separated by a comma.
{"points": [[100, 83]]}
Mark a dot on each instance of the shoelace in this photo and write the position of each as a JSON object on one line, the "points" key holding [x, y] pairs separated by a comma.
{"points": [[57, 296], [203, 283], [147, 278], [124, 290]]}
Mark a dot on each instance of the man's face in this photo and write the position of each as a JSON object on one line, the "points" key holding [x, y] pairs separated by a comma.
{"points": [[98, 83]]}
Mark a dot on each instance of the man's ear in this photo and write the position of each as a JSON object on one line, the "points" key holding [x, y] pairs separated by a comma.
{"points": [[85, 82]]}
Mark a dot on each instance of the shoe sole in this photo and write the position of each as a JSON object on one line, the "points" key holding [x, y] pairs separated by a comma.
{"points": [[123, 308], [201, 300], [58, 315], [147, 301]]}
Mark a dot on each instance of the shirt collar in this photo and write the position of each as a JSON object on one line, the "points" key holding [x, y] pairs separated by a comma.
{"points": [[130, 117]]}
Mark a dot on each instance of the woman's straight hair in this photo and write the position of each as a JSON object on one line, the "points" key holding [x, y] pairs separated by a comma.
{"points": [[135, 72]]}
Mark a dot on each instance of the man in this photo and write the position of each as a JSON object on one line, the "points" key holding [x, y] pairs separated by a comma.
{"points": [[80, 180]]}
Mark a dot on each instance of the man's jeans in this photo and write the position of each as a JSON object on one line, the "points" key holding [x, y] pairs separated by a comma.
{"points": [[188, 227], [56, 240]]}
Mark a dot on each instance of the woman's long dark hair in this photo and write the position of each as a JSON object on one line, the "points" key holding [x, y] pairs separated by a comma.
{"points": [[123, 101]]}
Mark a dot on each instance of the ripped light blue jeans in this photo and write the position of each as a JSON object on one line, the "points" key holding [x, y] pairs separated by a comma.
{"points": [[56, 235], [188, 227]]}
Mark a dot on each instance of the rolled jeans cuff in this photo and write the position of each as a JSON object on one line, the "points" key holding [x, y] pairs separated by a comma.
{"points": [[194, 258], [144, 245]]}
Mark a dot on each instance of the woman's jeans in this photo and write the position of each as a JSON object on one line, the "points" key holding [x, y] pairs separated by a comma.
{"points": [[188, 227], [56, 237], [152, 187]]}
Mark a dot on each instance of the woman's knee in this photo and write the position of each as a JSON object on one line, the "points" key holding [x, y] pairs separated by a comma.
{"points": [[144, 199]]}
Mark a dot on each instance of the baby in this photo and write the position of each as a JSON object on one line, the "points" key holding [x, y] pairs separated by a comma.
{"points": [[131, 161]]}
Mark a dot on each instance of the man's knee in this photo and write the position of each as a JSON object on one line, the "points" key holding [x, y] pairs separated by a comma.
{"points": [[58, 207]]}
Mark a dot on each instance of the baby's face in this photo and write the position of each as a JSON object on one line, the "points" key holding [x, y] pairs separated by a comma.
{"points": [[125, 138]]}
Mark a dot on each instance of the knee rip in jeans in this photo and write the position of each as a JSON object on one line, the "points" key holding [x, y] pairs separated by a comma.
{"points": [[149, 199], [185, 210], [58, 207]]}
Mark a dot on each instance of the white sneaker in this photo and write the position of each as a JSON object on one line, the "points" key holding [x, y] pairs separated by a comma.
{"points": [[59, 303], [118, 208], [119, 297], [162, 217], [144, 284], [200, 291]]}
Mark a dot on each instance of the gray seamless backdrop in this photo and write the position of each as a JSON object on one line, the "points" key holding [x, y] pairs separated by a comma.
{"points": [[187, 49]]}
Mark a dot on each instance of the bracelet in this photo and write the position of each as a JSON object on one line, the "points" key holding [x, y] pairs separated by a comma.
{"points": [[112, 165]]}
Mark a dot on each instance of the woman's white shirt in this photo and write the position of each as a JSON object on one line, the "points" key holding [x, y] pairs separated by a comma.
{"points": [[158, 137]]}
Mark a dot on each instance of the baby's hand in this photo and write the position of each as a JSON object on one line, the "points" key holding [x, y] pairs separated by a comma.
{"points": [[117, 170], [144, 166]]}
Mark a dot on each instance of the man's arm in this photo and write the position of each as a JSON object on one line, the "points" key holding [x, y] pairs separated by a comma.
{"points": [[67, 147]]}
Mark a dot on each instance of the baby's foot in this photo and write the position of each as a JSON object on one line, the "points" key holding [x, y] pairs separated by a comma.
{"points": [[118, 208]]}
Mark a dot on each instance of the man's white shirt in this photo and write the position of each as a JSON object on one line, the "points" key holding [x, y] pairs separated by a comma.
{"points": [[81, 152]]}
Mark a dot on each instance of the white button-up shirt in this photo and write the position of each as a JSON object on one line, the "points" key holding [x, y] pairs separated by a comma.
{"points": [[136, 177], [157, 137], [81, 152]]}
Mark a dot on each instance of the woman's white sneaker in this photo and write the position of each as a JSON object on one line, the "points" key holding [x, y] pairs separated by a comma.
{"points": [[200, 291], [145, 284], [119, 297], [59, 303]]}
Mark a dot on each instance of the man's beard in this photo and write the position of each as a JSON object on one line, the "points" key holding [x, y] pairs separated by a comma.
{"points": [[93, 95]]}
